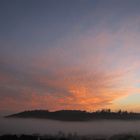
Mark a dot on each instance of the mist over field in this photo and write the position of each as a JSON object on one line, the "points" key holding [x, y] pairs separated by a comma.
{"points": [[37, 126]]}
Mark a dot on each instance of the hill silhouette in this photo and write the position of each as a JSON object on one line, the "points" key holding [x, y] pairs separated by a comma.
{"points": [[77, 115]]}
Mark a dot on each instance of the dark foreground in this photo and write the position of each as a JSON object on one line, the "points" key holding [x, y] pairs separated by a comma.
{"points": [[69, 137]]}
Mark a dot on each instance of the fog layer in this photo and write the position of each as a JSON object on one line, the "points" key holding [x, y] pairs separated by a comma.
{"points": [[32, 126]]}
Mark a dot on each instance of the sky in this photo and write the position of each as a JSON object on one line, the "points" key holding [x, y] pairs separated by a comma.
{"points": [[69, 54]]}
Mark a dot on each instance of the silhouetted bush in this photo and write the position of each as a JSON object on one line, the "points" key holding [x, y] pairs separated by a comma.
{"points": [[28, 137], [8, 137]]}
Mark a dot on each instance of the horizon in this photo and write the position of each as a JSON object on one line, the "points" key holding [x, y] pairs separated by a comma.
{"points": [[69, 55], [87, 111]]}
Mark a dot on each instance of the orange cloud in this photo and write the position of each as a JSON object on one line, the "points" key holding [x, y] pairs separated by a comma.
{"points": [[90, 72]]}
